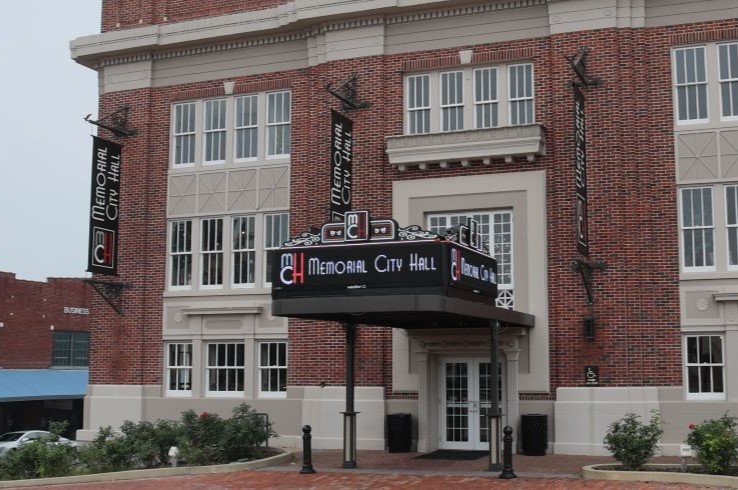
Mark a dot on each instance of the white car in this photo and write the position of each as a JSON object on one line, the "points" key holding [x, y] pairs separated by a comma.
{"points": [[11, 440]]}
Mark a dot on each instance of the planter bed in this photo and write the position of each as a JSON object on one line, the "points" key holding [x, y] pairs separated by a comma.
{"points": [[662, 473]]}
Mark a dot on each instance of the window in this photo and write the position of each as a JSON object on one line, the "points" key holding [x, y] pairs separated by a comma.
{"points": [[278, 123], [71, 349], [180, 252], [211, 252], [214, 126], [697, 229], [276, 232], [418, 104], [449, 109], [495, 228], [179, 369], [184, 134], [225, 368], [690, 75], [728, 78], [705, 367], [521, 94], [232, 253], [244, 251], [485, 98], [242, 128], [273, 369], [731, 224]]}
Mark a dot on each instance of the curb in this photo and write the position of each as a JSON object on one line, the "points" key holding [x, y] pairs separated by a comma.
{"points": [[652, 474], [279, 459]]}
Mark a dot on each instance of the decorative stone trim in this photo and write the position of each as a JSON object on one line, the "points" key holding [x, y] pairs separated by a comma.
{"points": [[471, 10], [652, 474]]}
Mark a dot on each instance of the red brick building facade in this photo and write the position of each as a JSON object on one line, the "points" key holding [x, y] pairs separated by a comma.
{"points": [[167, 60]]}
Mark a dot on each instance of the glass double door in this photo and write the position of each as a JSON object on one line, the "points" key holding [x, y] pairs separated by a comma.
{"points": [[465, 394]]}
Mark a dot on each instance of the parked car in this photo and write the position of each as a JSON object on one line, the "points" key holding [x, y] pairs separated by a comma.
{"points": [[11, 440]]}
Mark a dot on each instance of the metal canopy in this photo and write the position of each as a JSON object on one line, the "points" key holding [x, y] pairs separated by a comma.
{"points": [[408, 311]]}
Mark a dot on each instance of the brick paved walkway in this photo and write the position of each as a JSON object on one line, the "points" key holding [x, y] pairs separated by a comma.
{"points": [[383, 470]]}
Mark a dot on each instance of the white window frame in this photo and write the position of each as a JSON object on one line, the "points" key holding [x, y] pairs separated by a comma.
{"points": [[704, 395], [265, 367], [527, 99], [275, 119], [730, 81], [505, 289], [731, 228], [416, 83], [230, 364], [246, 125], [451, 101], [273, 238], [179, 253], [239, 248], [211, 248], [182, 365], [685, 83], [684, 228], [182, 131], [220, 130], [486, 96], [264, 121]]}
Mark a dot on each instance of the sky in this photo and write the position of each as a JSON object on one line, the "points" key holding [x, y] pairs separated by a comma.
{"points": [[45, 144]]}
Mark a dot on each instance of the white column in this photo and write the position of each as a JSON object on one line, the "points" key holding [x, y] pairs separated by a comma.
{"points": [[424, 406]]}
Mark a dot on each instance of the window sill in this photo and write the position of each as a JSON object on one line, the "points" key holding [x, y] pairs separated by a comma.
{"points": [[422, 150]]}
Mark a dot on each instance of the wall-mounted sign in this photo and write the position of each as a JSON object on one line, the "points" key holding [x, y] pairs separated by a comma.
{"points": [[591, 376], [580, 172], [104, 207], [342, 156], [364, 256], [71, 310]]}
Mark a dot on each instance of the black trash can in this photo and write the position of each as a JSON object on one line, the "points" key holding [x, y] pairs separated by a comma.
{"points": [[399, 433], [534, 434]]}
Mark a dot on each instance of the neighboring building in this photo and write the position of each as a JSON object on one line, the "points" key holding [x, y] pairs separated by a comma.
{"points": [[472, 114], [44, 345]]}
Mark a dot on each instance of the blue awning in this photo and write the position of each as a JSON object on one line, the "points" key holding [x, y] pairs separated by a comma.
{"points": [[42, 384]]}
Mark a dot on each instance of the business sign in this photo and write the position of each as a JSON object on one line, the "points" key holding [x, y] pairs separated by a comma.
{"points": [[342, 155], [104, 207], [580, 172], [364, 256]]}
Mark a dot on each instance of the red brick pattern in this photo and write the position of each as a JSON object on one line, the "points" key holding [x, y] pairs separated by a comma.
{"points": [[632, 198], [28, 309]]}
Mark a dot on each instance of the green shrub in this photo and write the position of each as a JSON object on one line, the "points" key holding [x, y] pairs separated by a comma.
{"points": [[245, 431], [42, 458], [631, 442], [201, 439], [716, 444]]}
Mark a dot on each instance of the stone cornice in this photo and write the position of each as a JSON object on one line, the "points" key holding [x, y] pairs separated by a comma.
{"points": [[269, 26]]}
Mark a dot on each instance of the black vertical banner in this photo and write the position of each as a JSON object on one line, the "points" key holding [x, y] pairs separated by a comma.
{"points": [[580, 172], [342, 155], [104, 207]]}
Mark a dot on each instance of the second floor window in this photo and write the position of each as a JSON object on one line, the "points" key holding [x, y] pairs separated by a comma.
{"points": [[242, 128], [211, 252], [697, 229], [71, 349], [469, 98]]}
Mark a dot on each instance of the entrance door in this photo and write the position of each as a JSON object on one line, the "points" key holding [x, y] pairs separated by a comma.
{"points": [[464, 394]]}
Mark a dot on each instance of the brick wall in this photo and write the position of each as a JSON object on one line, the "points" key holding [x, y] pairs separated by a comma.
{"points": [[28, 309]]}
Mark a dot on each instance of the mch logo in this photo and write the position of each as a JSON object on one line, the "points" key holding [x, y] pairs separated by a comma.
{"points": [[103, 247], [292, 268]]}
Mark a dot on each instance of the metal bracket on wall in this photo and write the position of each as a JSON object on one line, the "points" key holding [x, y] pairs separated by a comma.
{"points": [[578, 63], [346, 93], [585, 270], [116, 123], [110, 292]]}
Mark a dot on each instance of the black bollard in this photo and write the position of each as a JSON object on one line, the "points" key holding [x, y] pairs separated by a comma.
{"points": [[507, 467], [307, 456]]}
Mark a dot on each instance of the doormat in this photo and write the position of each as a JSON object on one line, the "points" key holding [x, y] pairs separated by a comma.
{"points": [[453, 454]]}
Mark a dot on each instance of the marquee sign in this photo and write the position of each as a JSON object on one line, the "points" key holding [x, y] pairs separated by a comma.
{"points": [[342, 155], [104, 207], [365, 256]]}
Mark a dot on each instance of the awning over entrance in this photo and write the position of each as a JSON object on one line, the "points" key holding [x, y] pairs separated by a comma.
{"points": [[42, 384], [409, 311]]}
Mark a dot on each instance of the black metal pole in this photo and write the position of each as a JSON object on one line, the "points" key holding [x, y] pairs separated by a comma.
{"points": [[493, 418], [307, 451], [349, 416], [507, 469]]}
